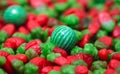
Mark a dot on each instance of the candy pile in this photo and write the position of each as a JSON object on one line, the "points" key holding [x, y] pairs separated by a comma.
{"points": [[59, 36]]}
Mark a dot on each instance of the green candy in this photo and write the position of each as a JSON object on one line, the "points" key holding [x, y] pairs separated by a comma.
{"points": [[30, 53], [85, 31], [2, 60], [99, 7], [2, 71], [30, 69], [18, 65], [52, 56], [116, 40], [117, 47], [90, 49], [68, 69], [100, 71], [101, 33], [76, 50], [46, 48], [54, 72], [21, 2], [99, 65], [80, 63], [64, 37], [18, 34], [100, 45], [38, 33], [3, 36], [50, 12], [60, 7], [71, 20], [9, 50], [15, 15], [79, 35], [108, 26], [21, 49], [71, 2]]}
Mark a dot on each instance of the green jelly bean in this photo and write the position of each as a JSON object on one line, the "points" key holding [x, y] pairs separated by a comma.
{"points": [[54, 72], [99, 65], [2, 60], [51, 57], [21, 49], [60, 7], [80, 63], [2, 71], [108, 26], [101, 33], [3, 36], [79, 35], [46, 48], [68, 69], [100, 45], [18, 34], [76, 50], [9, 50], [71, 20], [18, 65], [30, 53], [100, 71], [30, 69], [90, 49], [117, 47]]}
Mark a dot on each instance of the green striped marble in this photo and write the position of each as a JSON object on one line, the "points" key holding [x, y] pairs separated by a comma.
{"points": [[63, 37]]}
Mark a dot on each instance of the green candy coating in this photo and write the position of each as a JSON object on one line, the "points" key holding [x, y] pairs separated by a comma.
{"points": [[117, 46], [60, 7], [2, 71], [2, 60], [63, 37], [71, 20], [80, 63], [99, 65], [18, 65], [54, 72], [30, 53], [68, 69], [30, 69], [101, 33], [21, 49], [15, 15], [3, 36], [108, 26], [90, 49], [100, 71], [52, 56], [76, 50], [9, 50]]}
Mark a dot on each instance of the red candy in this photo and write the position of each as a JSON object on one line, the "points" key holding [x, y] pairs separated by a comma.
{"points": [[13, 42]]}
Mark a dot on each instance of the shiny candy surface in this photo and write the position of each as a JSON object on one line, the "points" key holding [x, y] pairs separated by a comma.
{"points": [[15, 15], [63, 37]]}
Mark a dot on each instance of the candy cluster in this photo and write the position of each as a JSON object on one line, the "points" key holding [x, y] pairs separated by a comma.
{"points": [[59, 36]]}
